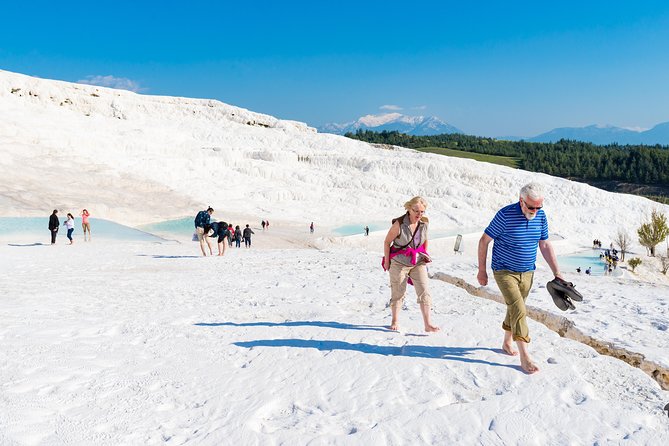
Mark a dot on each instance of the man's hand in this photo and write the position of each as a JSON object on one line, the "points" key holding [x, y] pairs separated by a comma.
{"points": [[482, 277], [482, 254]]}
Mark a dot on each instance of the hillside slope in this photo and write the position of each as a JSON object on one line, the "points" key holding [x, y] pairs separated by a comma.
{"points": [[138, 159]]}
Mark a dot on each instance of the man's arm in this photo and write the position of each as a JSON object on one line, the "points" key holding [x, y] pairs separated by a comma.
{"points": [[482, 276], [546, 249]]}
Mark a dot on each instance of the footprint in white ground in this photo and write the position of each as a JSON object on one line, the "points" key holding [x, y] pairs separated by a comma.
{"points": [[573, 397], [278, 416]]}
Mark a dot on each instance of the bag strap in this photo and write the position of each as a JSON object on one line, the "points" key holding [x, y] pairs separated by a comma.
{"points": [[412, 236]]}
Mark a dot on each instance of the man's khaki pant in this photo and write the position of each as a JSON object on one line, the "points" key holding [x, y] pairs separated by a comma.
{"points": [[398, 283], [515, 287]]}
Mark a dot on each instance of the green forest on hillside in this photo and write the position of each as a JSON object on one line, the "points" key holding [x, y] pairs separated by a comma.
{"points": [[501, 160], [638, 169]]}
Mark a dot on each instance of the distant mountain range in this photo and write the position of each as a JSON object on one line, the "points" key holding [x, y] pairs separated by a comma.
{"points": [[431, 125], [411, 125], [607, 135]]}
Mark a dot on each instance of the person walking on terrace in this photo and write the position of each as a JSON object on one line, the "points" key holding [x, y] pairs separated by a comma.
{"points": [[517, 229], [405, 258], [238, 236], [231, 234], [246, 235], [69, 224]]}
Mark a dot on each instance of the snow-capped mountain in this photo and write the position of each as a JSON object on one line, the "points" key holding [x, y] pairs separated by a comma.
{"points": [[411, 125], [607, 134]]}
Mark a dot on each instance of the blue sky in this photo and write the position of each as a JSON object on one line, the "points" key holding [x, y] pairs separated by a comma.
{"points": [[489, 68]]}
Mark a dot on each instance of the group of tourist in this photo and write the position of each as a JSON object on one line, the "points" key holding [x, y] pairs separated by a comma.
{"points": [[54, 225], [518, 230], [608, 256], [205, 229]]}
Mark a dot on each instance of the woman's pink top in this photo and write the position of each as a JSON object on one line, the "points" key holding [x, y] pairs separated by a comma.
{"points": [[84, 217]]}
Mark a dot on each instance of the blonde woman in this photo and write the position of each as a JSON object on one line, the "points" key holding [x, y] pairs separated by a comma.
{"points": [[405, 257]]}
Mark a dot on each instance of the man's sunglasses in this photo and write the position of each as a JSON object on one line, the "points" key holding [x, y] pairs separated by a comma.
{"points": [[532, 208]]}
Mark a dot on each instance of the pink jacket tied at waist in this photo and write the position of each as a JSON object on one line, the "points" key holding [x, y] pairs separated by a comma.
{"points": [[409, 252]]}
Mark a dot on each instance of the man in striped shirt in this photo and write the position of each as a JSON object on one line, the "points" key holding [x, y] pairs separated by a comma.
{"points": [[517, 230]]}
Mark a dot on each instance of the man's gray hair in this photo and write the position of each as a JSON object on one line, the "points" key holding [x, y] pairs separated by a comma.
{"points": [[533, 191]]}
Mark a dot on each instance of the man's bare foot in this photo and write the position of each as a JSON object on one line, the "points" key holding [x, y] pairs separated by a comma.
{"points": [[432, 328], [394, 326], [528, 366], [509, 350]]}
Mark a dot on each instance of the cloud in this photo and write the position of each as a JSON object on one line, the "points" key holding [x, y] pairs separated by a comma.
{"points": [[391, 107], [110, 81], [419, 107]]}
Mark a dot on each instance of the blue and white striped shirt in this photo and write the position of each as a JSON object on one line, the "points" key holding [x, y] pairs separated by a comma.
{"points": [[516, 238]]}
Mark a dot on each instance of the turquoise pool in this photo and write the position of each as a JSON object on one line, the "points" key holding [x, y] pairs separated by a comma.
{"points": [[358, 229], [181, 226], [584, 259], [106, 229]]}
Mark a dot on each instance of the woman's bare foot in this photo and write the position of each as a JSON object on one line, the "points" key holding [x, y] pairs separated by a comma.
{"points": [[528, 366], [394, 326], [425, 311], [509, 350]]}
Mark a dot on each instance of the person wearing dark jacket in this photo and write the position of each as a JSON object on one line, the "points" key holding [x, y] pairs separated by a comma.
{"points": [[54, 224], [231, 234], [220, 229], [247, 236], [202, 226], [238, 236]]}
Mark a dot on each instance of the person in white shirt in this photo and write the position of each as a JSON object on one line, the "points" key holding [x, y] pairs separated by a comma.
{"points": [[69, 224]]}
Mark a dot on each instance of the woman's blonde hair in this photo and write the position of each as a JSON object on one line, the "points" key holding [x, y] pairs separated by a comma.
{"points": [[414, 201]]}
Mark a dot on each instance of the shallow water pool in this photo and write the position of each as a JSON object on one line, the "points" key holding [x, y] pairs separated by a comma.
{"points": [[180, 226], [38, 227], [586, 259], [358, 229]]}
